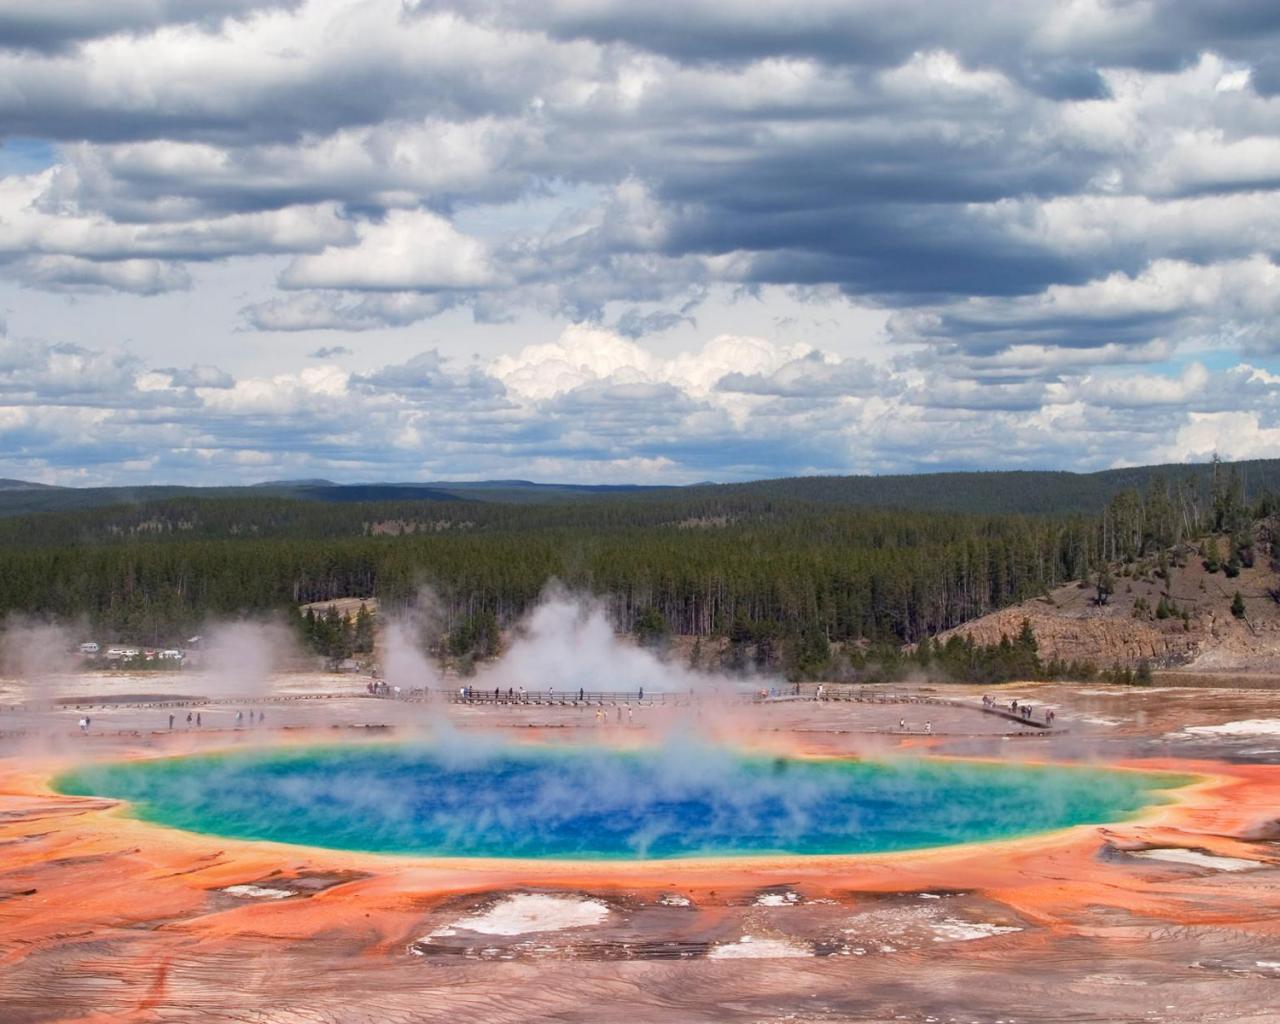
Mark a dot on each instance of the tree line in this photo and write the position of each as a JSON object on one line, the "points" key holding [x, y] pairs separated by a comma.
{"points": [[768, 573]]}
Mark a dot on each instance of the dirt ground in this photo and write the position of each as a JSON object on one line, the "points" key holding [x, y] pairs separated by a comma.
{"points": [[1172, 917]]}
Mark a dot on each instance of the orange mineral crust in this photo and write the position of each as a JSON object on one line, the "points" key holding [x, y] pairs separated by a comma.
{"points": [[105, 917]]}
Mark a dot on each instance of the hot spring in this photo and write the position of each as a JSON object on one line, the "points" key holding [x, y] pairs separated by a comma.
{"points": [[597, 803]]}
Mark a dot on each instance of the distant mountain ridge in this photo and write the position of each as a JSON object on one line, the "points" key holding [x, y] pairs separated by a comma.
{"points": [[18, 497], [1019, 492], [7, 484]]}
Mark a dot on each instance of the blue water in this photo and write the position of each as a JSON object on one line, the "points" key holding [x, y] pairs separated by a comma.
{"points": [[596, 803]]}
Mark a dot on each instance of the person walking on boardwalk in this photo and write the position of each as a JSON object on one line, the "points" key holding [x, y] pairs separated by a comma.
{"points": [[171, 721]]}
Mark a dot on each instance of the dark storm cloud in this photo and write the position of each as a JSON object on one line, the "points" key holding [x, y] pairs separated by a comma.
{"points": [[53, 25], [872, 164], [1160, 35]]}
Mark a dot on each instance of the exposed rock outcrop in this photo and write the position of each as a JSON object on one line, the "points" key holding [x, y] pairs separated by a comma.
{"points": [[1199, 632]]}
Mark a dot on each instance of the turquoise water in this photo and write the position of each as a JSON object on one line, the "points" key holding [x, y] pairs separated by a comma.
{"points": [[596, 803]]}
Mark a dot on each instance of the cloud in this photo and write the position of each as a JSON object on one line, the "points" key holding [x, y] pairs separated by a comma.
{"points": [[635, 324], [35, 373], [48, 240], [811, 376], [1232, 435], [335, 311], [75, 273], [901, 156], [592, 405], [411, 250], [38, 25], [329, 352], [1039, 199], [198, 376]]}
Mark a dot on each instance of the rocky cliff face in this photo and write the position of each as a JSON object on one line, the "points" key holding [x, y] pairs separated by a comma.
{"points": [[1102, 639]]}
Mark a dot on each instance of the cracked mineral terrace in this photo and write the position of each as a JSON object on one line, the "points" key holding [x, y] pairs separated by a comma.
{"points": [[1171, 916]]}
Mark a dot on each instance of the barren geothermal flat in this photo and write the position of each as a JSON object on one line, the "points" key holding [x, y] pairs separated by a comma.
{"points": [[899, 854]]}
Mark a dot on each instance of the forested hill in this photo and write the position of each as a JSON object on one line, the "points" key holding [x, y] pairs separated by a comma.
{"points": [[1018, 492], [1014, 492], [849, 573], [18, 497], [762, 560]]}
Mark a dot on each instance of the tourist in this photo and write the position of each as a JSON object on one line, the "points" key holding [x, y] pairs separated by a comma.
{"points": [[239, 719], [188, 719], [928, 727], [84, 725], [171, 721], [199, 719], [642, 693], [902, 724], [582, 694], [522, 695], [262, 715], [619, 716], [631, 717]]}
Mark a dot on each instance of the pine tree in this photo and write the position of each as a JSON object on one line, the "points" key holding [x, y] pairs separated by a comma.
{"points": [[364, 630], [310, 630], [331, 633], [651, 628], [488, 636], [1105, 584]]}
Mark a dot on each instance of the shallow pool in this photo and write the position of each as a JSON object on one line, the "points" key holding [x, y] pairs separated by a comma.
{"points": [[544, 802]]}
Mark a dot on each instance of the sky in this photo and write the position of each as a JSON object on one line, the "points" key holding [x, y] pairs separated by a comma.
{"points": [[601, 241]]}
